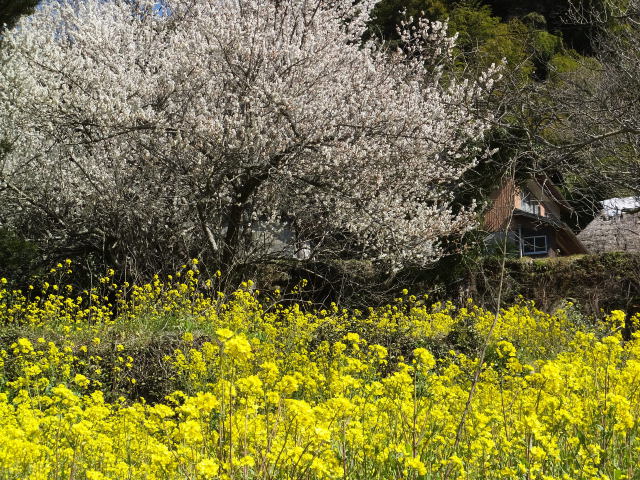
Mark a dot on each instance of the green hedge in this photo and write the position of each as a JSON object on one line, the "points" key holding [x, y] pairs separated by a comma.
{"points": [[595, 283]]}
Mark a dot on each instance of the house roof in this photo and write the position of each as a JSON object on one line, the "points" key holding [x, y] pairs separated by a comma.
{"points": [[616, 206], [551, 221], [616, 228], [553, 192], [571, 241]]}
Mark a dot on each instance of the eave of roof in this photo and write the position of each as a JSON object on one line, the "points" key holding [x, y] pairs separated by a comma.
{"points": [[555, 223], [554, 193]]}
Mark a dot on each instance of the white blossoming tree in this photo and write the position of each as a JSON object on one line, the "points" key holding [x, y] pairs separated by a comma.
{"points": [[149, 132]]}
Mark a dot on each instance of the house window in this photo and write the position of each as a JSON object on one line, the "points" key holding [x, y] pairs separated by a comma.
{"points": [[534, 245], [529, 203]]}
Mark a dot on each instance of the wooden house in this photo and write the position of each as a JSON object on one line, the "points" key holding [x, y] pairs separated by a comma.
{"points": [[532, 216]]}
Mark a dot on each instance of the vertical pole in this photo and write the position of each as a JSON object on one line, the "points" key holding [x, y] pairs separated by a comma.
{"points": [[520, 246]]}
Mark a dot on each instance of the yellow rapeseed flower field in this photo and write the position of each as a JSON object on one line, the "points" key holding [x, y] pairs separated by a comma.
{"points": [[171, 380]]}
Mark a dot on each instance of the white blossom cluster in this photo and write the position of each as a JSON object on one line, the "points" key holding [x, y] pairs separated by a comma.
{"points": [[129, 126]]}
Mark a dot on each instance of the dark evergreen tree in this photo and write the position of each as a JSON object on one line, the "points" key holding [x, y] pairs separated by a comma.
{"points": [[12, 10]]}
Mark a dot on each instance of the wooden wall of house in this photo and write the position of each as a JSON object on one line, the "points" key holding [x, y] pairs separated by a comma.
{"points": [[503, 201], [548, 204]]}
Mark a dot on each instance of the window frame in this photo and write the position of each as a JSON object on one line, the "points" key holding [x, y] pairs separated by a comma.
{"points": [[529, 203], [530, 239]]}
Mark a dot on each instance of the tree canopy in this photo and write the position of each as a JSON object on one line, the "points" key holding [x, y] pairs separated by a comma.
{"points": [[148, 134]]}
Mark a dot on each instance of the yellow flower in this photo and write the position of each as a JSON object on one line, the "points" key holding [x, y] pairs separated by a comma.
{"points": [[246, 461], [505, 349], [424, 358], [94, 475], [352, 337], [81, 380], [208, 468], [238, 348], [416, 465], [224, 334], [187, 337]]}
